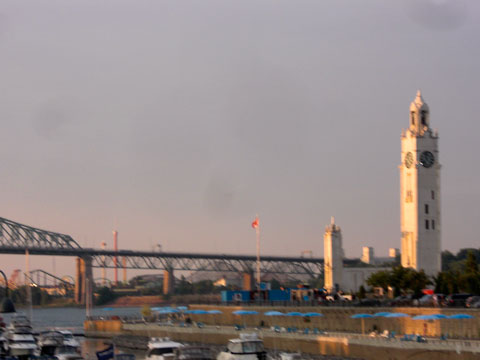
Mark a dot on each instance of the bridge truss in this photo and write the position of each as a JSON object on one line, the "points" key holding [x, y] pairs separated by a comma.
{"points": [[16, 238]]}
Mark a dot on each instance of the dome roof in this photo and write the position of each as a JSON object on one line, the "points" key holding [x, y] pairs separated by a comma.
{"points": [[418, 104]]}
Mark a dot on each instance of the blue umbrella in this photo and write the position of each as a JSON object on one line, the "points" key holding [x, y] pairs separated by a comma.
{"points": [[196, 311], [274, 313], [167, 311], [199, 312], [361, 316], [425, 317], [245, 312], [460, 316], [182, 308], [381, 314], [312, 314], [396, 315], [294, 313], [214, 312], [440, 316]]}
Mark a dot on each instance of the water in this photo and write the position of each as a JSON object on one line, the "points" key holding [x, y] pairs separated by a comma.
{"points": [[72, 319]]}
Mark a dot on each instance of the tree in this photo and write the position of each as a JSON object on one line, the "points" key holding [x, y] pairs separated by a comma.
{"points": [[105, 296], [380, 279], [471, 265], [362, 292], [183, 287], [204, 287], [400, 279]]}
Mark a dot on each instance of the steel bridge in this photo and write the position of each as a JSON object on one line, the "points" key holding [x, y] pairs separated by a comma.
{"points": [[16, 238]]}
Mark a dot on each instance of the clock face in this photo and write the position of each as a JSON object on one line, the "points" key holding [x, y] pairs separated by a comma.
{"points": [[408, 160], [427, 159]]}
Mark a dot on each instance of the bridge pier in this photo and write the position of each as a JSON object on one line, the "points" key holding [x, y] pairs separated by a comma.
{"points": [[84, 280], [78, 280], [168, 282], [248, 282]]}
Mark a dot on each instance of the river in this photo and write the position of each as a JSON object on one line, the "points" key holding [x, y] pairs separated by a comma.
{"points": [[72, 318]]}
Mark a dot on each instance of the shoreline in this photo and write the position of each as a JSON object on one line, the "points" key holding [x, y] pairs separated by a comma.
{"points": [[332, 344]]}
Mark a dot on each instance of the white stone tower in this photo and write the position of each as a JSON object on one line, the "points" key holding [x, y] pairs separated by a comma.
{"points": [[420, 192], [333, 257]]}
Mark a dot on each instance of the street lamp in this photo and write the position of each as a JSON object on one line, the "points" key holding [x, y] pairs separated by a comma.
{"points": [[7, 304]]}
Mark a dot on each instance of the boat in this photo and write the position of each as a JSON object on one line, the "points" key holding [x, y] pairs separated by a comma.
{"points": [[19, 338], [3, 341], [59, 344], [290, 356], [67, 352], [161, 349], [246, 347], [48, 341], [69, 340], [193, 353]]}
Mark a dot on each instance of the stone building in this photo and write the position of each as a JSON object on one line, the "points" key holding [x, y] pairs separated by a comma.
{"points": [[420, 192], [337, 276]]}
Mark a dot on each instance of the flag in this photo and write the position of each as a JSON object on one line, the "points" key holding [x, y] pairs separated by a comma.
{"points": [[255, 223], [105, 354]]}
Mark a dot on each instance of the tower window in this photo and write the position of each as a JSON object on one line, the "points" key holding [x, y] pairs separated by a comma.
{"points": [[426, 224], [433, 195], [412, 117], [426, 208], [433, 224], [424, 117], [409, 196]]}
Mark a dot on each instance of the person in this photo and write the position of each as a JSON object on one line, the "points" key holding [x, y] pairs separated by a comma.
{"points": [[188, 321]]}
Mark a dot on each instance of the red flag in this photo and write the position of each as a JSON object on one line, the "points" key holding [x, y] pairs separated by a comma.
{"points": [[255, 223]]}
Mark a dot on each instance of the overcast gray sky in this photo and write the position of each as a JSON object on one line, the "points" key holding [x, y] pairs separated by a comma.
{"points": [[180, 120]]}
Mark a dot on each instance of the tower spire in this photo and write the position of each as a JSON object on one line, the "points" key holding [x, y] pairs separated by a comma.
{"points": [[419, 115]]}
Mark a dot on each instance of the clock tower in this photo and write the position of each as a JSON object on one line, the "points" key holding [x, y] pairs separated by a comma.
{"points": [[420, 192]]}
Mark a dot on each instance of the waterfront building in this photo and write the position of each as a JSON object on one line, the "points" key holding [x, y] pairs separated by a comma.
{"points": [[337, 276], [393, 253], [333, 257], [420, 192], [368, 255]]}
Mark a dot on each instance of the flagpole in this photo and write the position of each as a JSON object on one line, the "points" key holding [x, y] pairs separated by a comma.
{"points": [[257, 231]]}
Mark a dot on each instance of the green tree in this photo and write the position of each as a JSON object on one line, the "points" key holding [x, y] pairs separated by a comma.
{"points": [[400, 279], [204, 287], [362, 292], [380, 279], [469, 283], [471, 265], [105, 295], [183, 287]]}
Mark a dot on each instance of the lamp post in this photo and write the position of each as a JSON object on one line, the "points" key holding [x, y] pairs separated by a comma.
{"points": [[7, 304]]}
